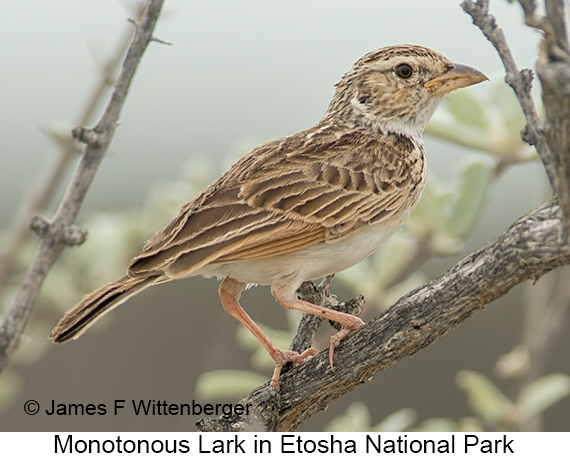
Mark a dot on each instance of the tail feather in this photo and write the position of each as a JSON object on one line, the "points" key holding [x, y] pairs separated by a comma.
{"points": [[96, 304]]}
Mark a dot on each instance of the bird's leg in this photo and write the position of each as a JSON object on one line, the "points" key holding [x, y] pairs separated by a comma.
{"points": [[230, 292], [282, 294]]}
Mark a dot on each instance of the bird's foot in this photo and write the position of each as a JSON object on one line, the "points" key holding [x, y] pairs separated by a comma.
{"points": [[282, 357], [354, 324]]}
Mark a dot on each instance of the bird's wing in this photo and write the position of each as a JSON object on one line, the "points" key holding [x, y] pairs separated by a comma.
{"points": [[285, 195]]}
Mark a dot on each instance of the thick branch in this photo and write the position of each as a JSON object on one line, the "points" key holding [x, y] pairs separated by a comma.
{"points": [[554, 72], [98, 141], [528, 249]]}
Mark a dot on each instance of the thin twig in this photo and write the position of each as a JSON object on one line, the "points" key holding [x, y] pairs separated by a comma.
{"points": [[556, 15], [19, 231], [97, 142], [520, 81]]}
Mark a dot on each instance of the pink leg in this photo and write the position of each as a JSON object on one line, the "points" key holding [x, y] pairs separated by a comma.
{"points": [[230, 292], [287, 300]]}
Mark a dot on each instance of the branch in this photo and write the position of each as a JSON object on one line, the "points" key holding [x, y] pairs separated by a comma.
{"points": [[520, 81], [19, 232], [320, 295], [553, 145], [527, 250], [54, 235], [556, 16], [553, 69], [552, 141]]}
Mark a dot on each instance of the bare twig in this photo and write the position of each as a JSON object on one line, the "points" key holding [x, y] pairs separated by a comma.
{"points": [[527, 250], [530, 17], [42, 194], [551, 139], [556, 15], [97, 141], [520, 81]]}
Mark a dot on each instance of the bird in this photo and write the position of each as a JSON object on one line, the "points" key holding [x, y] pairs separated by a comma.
{"points": [[304, 206]]}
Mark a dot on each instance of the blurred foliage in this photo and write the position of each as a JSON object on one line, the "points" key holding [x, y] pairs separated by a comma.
{"points": [[227, 384], [492, 410], [486, 119], [115, 237], [218, 384]]}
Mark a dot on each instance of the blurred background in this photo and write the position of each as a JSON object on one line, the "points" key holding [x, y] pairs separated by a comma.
{"points": [[239, 73]]}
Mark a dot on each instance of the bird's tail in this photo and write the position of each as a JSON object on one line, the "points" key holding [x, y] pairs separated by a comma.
{"points": [[96, 304]]}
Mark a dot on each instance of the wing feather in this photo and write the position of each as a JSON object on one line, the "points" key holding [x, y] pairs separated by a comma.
{"points": [[287, 195]]}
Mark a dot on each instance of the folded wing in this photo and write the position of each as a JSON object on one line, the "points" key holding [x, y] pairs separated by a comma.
{"points": [[277, 200]]}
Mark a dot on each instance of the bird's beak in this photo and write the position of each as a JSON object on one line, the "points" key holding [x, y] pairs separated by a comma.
{"points": [[456, 77]]}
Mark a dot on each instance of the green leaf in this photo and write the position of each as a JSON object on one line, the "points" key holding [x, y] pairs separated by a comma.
{"points": [[389, 261], [356, 418], [467, 110], [505, 100], [230, 384], [483, 397], [470, 424], [260, 358], [397, 421], [10, 388], [468, 197], [428, 215], [543, 393], [461, 135], [438, 424], [246, 339]]}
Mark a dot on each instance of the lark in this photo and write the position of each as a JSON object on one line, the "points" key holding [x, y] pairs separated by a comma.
{"points": [[304, 206]]}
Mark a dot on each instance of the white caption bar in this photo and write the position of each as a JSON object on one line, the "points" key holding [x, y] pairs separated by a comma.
{"points": [[471, 444]]}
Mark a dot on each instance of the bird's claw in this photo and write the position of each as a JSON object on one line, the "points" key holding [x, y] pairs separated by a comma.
{"points": [[355, 324], [282, 357]]}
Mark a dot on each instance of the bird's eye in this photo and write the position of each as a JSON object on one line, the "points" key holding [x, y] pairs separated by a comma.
{"points": [[404, 70]]}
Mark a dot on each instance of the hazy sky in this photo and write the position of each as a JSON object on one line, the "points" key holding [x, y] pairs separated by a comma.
{"points": [[237, 69]]}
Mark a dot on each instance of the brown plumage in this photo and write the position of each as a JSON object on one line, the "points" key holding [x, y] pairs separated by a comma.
{"points": [[304, 206]]}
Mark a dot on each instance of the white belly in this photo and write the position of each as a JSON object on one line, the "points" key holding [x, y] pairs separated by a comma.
{"points": [[306, 264]]}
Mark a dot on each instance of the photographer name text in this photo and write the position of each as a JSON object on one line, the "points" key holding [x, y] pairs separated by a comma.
{"points": [[140, 408]]}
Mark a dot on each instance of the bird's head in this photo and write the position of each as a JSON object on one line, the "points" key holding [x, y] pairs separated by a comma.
{"points": [[397, 88]]}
